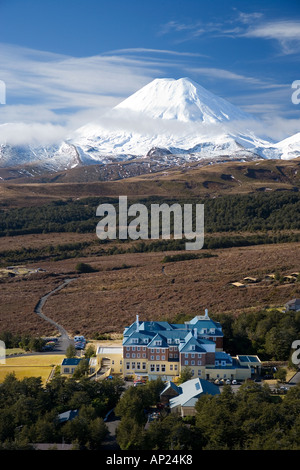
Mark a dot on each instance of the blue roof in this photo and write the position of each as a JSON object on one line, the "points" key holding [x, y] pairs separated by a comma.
{"points": [[141, 336], [223, 356], [192, 341], [206, 322], [161, 338], [252, 359], [171, 385], [156, 325], [148, 326], [146, 333], [74, 361]]}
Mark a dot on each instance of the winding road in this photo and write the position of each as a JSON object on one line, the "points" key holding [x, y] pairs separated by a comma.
{"points": [[64, 340]]}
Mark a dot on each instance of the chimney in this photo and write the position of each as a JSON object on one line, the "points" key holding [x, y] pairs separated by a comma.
{"points": [[206, 313], [137, 323], [195, 332]]}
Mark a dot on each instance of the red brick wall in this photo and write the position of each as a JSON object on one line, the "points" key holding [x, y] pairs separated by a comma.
{"points": [[210, 358]]}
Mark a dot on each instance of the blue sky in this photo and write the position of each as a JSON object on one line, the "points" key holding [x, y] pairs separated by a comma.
{"points": [[64, 63]]}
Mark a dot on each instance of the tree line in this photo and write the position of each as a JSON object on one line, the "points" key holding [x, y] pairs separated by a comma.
{"points": [[24, 341], [228, 213], [269, 333]]}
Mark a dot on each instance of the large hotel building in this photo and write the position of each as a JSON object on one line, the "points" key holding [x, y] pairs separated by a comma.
{"points": [[152, 349]]}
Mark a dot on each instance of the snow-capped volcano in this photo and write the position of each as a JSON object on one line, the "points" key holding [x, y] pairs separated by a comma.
{"points": [[176, 121], [181, 100], [178, 115]]}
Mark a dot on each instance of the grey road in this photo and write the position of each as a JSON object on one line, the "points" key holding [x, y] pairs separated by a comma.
{"points": [[64, 339]]}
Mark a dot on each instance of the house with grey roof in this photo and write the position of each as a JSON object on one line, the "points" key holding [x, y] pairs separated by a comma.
{"points": [[182, 398], [293, 305]]}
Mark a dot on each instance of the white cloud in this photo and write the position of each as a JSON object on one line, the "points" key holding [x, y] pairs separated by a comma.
{"points": [[60, 82], [54, 94], [247, 18], [220, 74], [241, 24], [143, 50], [34, 133], [286, 32]]}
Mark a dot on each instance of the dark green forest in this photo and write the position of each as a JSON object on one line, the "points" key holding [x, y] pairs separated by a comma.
{"points": [[230, 221], [249, 419], [29, 412], [267, 333], [231, 213]]}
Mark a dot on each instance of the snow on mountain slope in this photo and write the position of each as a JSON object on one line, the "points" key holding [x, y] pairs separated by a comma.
{"points": [[53, 157], [289, 148], [178, 115], [179, 118]]}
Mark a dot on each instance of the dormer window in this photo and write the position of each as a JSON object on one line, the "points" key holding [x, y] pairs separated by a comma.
{"points": [[193, 347]]}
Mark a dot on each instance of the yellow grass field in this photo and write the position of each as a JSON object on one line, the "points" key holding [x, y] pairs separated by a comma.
{"points": [[39, 365]]}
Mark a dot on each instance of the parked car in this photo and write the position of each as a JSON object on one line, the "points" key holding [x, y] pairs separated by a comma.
{"points": [[234, 382], [228, 381], [138, 382]]}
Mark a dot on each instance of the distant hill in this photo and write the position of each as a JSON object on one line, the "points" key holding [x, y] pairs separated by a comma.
{"points": [[187, 182]]}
